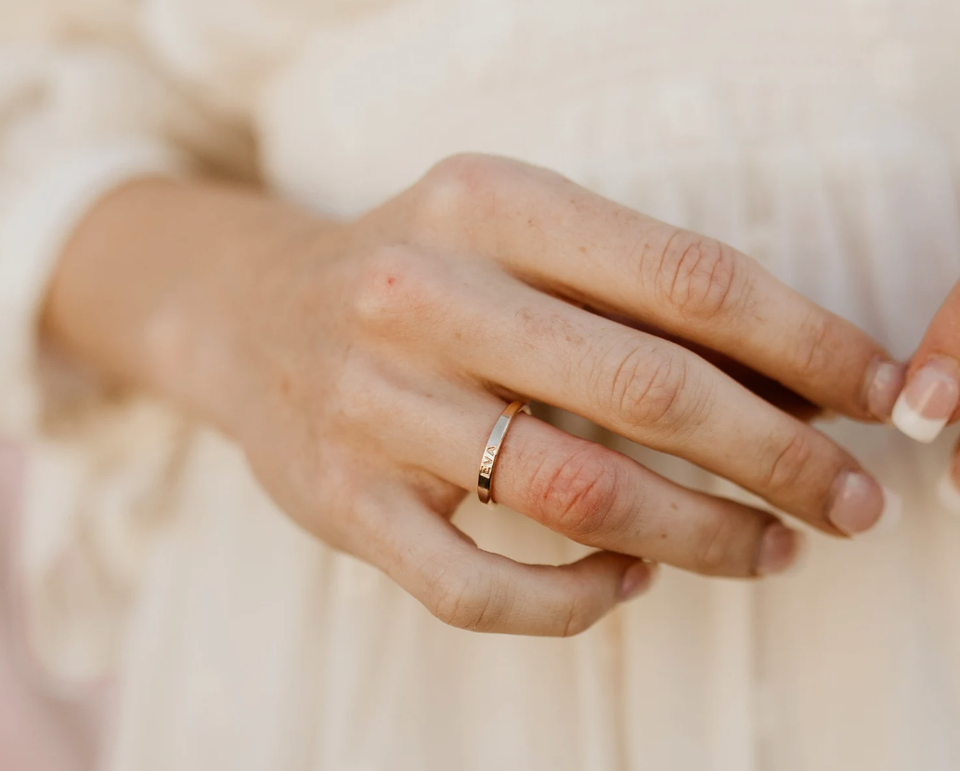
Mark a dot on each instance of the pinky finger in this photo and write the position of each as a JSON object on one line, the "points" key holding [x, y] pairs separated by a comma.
{"points": [[472, 589]]}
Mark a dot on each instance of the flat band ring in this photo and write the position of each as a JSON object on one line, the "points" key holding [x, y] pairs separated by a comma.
{"points": [[491, 452]]}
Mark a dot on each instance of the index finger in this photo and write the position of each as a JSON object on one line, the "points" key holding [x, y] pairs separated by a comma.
{"points": [[560, 236]]}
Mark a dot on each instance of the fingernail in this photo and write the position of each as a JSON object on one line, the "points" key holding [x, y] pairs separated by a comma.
{"points": [[860, 504], [779, 548], [637, 580], [928, 401], [948, 493], [891, 516], [886, 382]]}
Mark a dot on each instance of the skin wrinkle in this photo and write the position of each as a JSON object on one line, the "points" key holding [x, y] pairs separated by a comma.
{"points": [[632, 363], [788, 465], [562, 480], [746, 302], [699, 398], [707, 558], [544, 512], [676, 271], [688, 268], [572, 615], [726, 262], [643, 244], [590, 362], [484, 611], [436, 589], [813, 336], [659, 392], [543, 456], [554, 326]]}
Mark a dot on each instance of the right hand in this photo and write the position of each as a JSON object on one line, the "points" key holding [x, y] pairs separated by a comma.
{"points": [[363, 365]]}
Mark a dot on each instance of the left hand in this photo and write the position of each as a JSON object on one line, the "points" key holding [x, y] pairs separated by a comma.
{"points": [[361, 365]]}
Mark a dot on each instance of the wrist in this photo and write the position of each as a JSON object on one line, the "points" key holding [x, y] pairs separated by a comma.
{"points": [[216, 343], [161, 287]]}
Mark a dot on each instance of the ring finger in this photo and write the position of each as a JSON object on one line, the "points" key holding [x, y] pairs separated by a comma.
{"points": [[585, 491]]}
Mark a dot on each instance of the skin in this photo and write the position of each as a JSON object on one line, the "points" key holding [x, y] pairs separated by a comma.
{"points": [[361, 366], [941, 344]]}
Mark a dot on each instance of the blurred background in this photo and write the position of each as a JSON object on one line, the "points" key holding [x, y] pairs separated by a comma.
{"points": [[41, 729]]}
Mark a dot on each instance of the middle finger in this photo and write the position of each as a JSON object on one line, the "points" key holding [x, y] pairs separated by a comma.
{"points": [[663, 396]]}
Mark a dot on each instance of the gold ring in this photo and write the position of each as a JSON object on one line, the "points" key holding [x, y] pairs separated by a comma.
{"points": [[492, 450]]}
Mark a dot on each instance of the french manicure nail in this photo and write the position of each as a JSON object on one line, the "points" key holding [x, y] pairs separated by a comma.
{"points": [[948, 493], [886, 383], [779, 548], [928, 401], [861, 504], [637, 579]]}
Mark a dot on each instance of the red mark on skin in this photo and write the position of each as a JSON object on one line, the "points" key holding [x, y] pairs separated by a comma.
{"points": [[391, 280]]}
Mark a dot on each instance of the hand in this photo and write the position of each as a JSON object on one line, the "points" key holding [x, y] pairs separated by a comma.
{"points": [[363, 365], [931, 397]]}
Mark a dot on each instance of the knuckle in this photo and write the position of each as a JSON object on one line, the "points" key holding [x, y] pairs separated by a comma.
{"points": [[466, 599], [394, 282], [785, 461], [697, 275], [456, 186], [360, 394], [467, 169], [813, 344], [647, 387], [579, 617], [578, 494], [717, 546]]}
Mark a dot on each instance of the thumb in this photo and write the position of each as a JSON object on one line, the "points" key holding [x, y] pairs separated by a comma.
{"points": [[931, 396]]}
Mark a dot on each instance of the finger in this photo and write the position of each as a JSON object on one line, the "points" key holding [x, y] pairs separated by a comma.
{"points": [[594, 495], [663, 396], [931, 396], [766, 388], [558, 235], [585, 491], [472, 589]]}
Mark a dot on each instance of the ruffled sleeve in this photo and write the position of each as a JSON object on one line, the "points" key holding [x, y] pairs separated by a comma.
{"points": [[84, 107]]}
